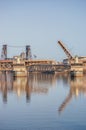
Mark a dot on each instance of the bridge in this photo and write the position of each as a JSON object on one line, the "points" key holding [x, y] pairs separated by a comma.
{"points": [[24, 63], [6, 65], [24, 66]]}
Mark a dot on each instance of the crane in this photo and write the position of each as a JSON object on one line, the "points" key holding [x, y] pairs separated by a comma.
{"points": [[65, 50]]}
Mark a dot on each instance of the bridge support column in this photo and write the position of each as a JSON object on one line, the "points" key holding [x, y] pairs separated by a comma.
{"points": [[76, 70], [20, 71]]}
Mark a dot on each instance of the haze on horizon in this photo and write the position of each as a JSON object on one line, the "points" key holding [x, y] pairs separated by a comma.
{"points": [[40, 24]]}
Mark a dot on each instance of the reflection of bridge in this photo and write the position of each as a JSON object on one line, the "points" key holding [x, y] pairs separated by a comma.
{"points": [[35, 83]]}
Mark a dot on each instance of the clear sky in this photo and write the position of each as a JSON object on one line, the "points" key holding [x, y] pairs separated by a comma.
{"points": [[41, 23]]}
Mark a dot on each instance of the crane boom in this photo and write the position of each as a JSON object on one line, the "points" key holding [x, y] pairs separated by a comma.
{"points": [[65, 50]]}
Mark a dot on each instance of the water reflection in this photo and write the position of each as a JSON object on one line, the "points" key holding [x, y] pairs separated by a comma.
{"points": [[6, 84], [34, 83], [40, 84], [77, 87], [44, 94]]}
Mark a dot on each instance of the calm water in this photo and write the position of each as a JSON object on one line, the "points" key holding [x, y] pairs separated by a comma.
{"points": [[42, 102]]}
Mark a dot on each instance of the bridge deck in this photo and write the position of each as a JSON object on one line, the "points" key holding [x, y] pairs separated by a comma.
{"points": [[32, 65]]}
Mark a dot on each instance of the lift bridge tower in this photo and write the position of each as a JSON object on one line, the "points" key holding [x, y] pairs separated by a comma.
{"points": [[4, 52], [28, 53]]}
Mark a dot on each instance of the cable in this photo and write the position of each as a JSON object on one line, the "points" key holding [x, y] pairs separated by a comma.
{"points": [[1, 44], [16, 46]]}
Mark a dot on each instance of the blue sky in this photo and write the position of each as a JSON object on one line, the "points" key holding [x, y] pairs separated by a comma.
{"points": [[41, 23]]}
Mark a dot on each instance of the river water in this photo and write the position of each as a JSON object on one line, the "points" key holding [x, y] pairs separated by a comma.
{"points": [[42, 102]]}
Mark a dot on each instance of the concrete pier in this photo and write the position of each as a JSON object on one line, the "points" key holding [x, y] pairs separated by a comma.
{"points": [[20, 70], [76, 70]]}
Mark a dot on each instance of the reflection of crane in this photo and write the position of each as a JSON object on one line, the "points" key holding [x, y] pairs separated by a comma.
{"points": [[73, 91], [77, 86], [65, 102], [65, 50]]}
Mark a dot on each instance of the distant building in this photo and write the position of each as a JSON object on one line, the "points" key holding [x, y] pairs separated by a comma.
{"points": [[23, 55]]}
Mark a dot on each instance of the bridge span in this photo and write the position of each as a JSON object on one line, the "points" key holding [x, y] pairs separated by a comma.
{"points": [[21, 67]]}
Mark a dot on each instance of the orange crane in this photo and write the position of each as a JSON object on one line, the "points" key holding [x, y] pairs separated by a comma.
{"points": [[65, 50]]}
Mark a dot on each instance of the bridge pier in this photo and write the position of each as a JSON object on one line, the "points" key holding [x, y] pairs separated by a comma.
{"points": [[76, 70], [20, 70]]}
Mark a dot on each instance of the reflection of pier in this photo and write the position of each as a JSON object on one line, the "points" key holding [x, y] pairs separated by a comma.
{"points": [[77, 87], [37, 83], [6, 83]]}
